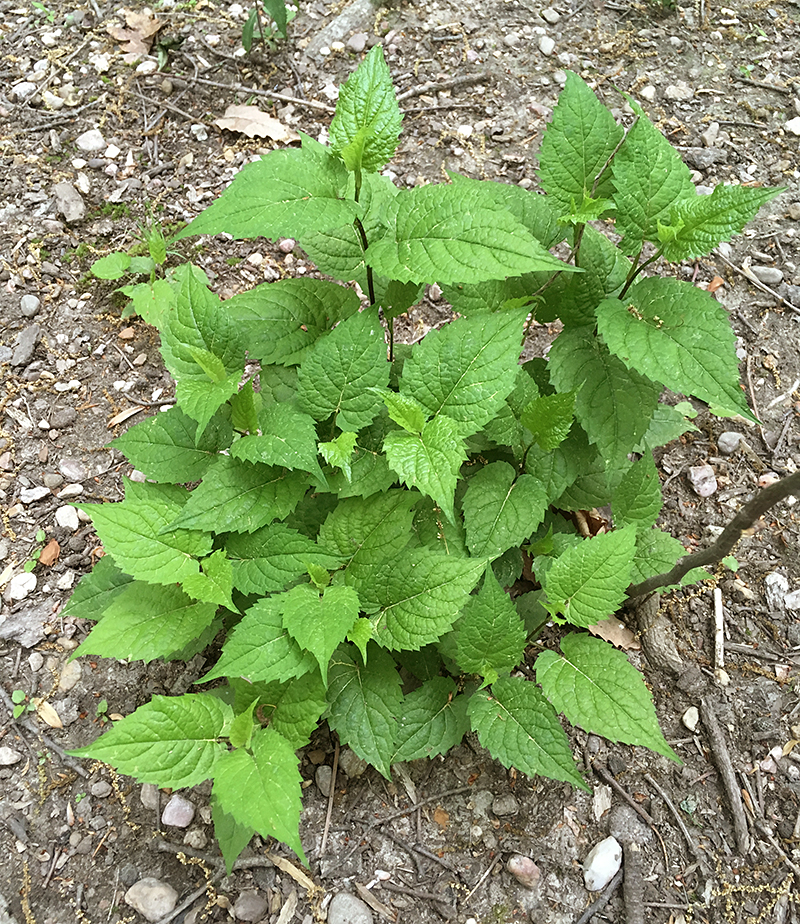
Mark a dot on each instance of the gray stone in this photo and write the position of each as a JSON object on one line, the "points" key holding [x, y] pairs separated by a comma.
{"points": [[91, 142], [794, 211], [29, 305], [151, 898], [680, 92], [512, 39], [72, 469], [323, 779], [20, 586], [63, 417], [52, 479], [703, 158], [357, 42], [71, 674], [728, 442], [769, 275], [67, 518], [23, 90], [550, 15], [346, 908], [355, 17], [35, 661], [505, 805], [25, 344], [524, 870], [26, 626], [101, 789], [351, 763], [250, 906], [149, 796], [8, 756], [178, 812], [69, 201]]}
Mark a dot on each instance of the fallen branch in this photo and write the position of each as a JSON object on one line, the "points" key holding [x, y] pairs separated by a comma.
{"points": [[752, 511]]}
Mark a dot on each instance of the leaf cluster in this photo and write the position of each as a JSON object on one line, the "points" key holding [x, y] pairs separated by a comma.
{"points": [[346, 516]]}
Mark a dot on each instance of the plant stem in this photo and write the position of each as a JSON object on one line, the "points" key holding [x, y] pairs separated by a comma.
{"points": [[636, 269]]}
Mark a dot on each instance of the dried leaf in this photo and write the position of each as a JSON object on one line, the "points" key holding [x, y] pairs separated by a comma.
{"points": [[715, 283], [251, 121], [50, 553], [297, 874], [137, 39], [124, 415], [442, 818], [612, 630], [47, 713]]}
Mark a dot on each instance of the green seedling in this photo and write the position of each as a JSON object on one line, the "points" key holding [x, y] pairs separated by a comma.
{"points": [[267, 20], [36, 552], [22, 703]]}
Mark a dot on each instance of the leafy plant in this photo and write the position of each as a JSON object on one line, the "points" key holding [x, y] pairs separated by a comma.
{"points": [[361, 505], [36, 552], [22, 703], [277, 13], [147, 299]]}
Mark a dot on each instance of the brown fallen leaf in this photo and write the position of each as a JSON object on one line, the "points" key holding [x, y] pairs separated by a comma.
{"points": [[47, 713], [50, 553], [124, 415], [612, 630], [251, 121], [442, 818], [137, 39]]}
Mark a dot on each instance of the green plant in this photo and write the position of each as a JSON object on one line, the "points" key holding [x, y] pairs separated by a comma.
{"points": [[147, 299], [21, 703], [360, 505], [278, 15], [45, 11], [36, 551], [102, 711]]}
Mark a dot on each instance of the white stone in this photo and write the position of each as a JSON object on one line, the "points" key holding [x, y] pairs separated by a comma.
{"points": [[51, 100], [680, 92], [550, 15], [31, 495], [151, 898], [793, 125], [648, 93], [71, 490], [23, 90], [90, 142], [8, 756], [147, 67], [346, 908], [602, 864], [70, 676], [112, 151], [703, 480], [792, 601], [546, 45], [20, 586], [691, 718], [178, 812]]}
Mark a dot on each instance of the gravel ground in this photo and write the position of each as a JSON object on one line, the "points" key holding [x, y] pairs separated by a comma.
{"points": [[89, 139]]}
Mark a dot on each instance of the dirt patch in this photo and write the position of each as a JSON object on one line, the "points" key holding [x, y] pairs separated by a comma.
{"points": [[477, 86]]}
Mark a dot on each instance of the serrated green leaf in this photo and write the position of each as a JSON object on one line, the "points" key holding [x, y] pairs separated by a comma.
{"points": [[432, 720], [245, 406], [637, 499], [416, 597], [364, 703], [96, 590], [337, 376], [656, 553], [215, 583], [261, 787], [202, 350], [138, 534], [490, 636], [405, 411], [240, 732], [699, 223], [112, 266], [240, 497], [501, 509], [164, 448], [614, 404], [587, 582], [369, 474], [453, 234], [467, 369], [521, 729], [288, 438], [231, 836], [339, 452], [576, 146], [398, 297], [432, 530], [559, 469], [152, 301], [549, 418], [260, 648], [320, 623], [596, 687], [170, 741], [295, 709], [677, 335], [285, 194], [649, 179], [145, 621], [429, 461], [369, 532], [360, 635], [280, 320], [366, 126], [667, 424]]}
